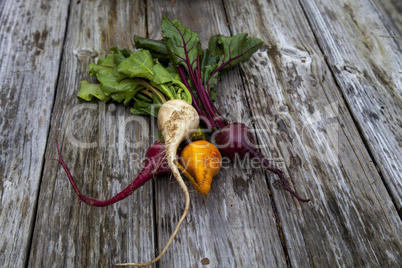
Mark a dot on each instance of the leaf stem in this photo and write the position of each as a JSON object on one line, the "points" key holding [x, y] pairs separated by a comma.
{"points": [[186, 91], [157, 93], [206, 99], [197, 83], [167, 91], [185, 82]]}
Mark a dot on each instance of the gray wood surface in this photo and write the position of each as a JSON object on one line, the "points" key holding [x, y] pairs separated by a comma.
{"points": [[95, 142], [363, 50], [31, 41], [391, 10], [323, 94], [309, 128]]}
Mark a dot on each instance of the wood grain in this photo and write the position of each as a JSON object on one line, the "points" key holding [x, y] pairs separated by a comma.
{"points": [[31, 40], [297, 104], [235, 226], [323, 96], [97, 142], [367, 66], [391, 11]]}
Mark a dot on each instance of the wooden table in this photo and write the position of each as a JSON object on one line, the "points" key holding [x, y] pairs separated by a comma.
{"points": [[325, 89]]}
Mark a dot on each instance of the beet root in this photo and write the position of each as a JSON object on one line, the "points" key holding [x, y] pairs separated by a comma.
{"points": [[155, 164], [237, 138]]}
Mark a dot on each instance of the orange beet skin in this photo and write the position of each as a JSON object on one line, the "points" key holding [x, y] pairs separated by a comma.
{"points": [[203, 161]]}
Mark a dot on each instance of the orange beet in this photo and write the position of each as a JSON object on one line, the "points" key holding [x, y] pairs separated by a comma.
{"points": [[203, 161]]}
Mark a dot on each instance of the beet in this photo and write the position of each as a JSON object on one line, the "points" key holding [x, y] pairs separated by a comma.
{"points": [[155, 164], [237, 138]]}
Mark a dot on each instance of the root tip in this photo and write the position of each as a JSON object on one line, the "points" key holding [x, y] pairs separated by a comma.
{"points": [[304, 200], [133, 264]]}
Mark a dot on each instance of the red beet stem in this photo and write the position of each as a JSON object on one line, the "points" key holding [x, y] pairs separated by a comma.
{"points": [[150, 169]]}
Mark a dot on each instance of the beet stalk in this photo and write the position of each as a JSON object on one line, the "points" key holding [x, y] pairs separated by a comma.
{"points": [[155, 164]]}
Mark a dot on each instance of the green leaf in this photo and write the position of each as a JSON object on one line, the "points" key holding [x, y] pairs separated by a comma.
{"points": [[89, 91], [174, 73], [103, 63], [183, 45], [236, 49], [157, 48], [161, 74], [114, 71], [126, 90], [138, 112], [209, 62], [139, 64], [214, 94], [110, 61], [145, 108], [168, 81], [213, 47], [104, 69], [119, 55], [126, 52], [231, 51], [108, 80], [143, 97]]}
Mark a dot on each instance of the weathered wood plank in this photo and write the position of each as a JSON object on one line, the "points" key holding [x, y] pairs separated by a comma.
{"points": [[97, 143], [391, 11], [351, 220], [367, 66], [235, 226], [31, 38]]}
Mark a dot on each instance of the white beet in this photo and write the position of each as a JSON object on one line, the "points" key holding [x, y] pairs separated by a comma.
{"points": [[177, 120]]}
